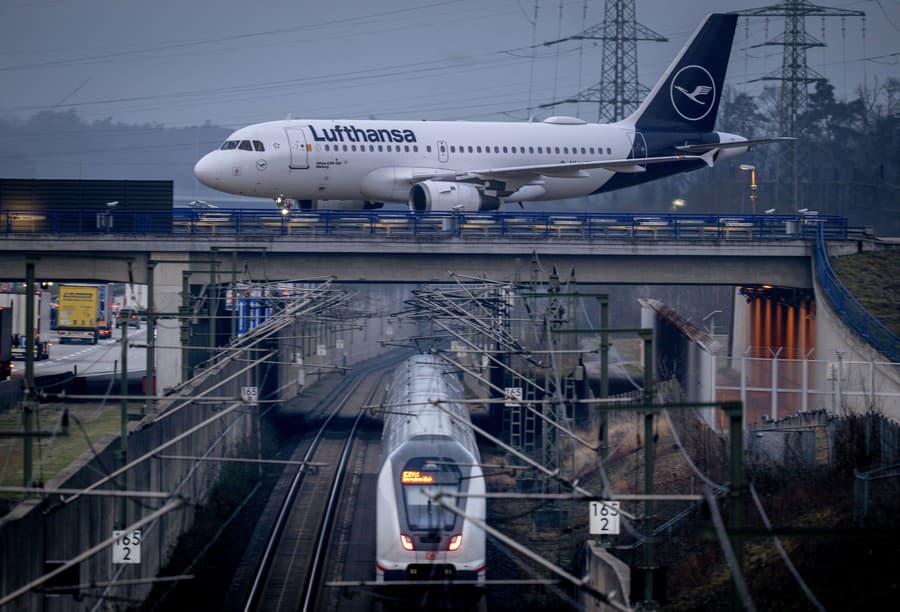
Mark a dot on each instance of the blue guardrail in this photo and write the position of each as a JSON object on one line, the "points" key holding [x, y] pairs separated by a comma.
{"points": [[399, 224], [850, 310]]}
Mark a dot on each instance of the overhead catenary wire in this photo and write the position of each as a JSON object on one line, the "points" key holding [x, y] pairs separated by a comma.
{"points": [[103, 545], [784, 555], [737, 577], [582, 584]]}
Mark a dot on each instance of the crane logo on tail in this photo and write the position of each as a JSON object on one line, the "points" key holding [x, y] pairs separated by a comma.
{"points": [[693, 92]]}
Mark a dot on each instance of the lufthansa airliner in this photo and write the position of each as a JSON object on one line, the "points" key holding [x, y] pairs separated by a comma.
{"points": [[475, 166]]}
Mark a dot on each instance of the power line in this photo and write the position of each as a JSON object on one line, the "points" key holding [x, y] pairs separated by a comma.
{"points": [[619, 91]]}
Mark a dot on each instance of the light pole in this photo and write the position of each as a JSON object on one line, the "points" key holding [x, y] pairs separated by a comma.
{"points": [[753, 194], [712, 321]]}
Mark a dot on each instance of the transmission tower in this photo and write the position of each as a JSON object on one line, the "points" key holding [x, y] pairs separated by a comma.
{"points": [[618, 92], [795, 75]]}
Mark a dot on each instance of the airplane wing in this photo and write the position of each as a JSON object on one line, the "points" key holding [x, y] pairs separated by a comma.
{"points": [[701, 148], [562, 170]]}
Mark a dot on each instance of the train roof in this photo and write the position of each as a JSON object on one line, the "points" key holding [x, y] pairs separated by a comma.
{"points": [[418, 385]]}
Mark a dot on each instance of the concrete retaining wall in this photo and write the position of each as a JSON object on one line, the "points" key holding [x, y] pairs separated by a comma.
{"points": [[36, 532], [836, 342]]}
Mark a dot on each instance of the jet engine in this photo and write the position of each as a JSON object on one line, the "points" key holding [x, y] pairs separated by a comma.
{"points": [[447, 196]]}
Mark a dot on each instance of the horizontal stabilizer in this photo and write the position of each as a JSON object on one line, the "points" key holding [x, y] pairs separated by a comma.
{"points": [[700, 148]]}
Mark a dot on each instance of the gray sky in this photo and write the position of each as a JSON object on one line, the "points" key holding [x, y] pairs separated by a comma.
{"points": [[234, 62]]}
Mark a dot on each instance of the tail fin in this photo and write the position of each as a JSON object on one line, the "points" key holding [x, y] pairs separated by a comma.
{"points": [[687, 96]]}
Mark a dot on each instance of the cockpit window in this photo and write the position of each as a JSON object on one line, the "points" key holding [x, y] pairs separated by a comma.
{"points": [[245, 146], [229, 144], [435, 475], [258, 145]]}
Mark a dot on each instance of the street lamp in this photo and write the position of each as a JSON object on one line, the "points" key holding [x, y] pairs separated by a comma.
{"points": [[677, 204], [753, 194], [712, 321]]}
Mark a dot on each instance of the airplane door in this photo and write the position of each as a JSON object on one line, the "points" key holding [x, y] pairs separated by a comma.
{"points": [[299, 150], [443, 151]]}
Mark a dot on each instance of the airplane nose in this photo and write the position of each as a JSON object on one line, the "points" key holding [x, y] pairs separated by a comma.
{"points": [[205, 171]]}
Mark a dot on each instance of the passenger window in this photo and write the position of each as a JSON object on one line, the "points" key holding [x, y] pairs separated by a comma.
{"points": [[608, 151], [470, 148], [245, 146], [415, 148], [496, 149], [557, 150], [229, 144], [505, 150], [258, 145], [406, 148], [345, 148], [353, 148], [592, 150], [371, 148], [428, 148], [453, 148], [583, 151], [478, 149]]}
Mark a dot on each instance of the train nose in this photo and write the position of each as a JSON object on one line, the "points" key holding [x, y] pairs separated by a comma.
{"points": [[208, 171]]}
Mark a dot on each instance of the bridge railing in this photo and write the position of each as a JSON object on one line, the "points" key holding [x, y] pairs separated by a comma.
{"points": [[404, 225], [849, 308]]}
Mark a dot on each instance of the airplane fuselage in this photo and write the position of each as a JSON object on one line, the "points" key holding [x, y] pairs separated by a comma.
{"points": [[459, 165], [361, 160]]}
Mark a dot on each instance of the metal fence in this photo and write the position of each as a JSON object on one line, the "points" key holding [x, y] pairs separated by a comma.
{"points": [[434, 225], [775, 387], [848, 307]]}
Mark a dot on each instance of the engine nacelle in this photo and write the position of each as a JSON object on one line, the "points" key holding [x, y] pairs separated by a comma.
{"points": [[447, 196]]}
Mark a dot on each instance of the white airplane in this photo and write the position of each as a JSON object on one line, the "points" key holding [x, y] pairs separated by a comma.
{"points": [[475, 166]]}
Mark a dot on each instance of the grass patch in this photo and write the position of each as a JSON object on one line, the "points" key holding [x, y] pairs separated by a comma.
{"points": [[873, 280], [52, 455]]}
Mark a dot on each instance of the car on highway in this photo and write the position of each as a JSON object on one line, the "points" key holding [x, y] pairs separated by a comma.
{"points": [[127, 316]]}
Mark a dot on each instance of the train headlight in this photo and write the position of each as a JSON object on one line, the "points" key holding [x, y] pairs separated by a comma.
{"points": [[455, 542], [407, 543]]}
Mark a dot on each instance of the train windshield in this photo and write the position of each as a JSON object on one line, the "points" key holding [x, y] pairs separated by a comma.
{"points": [[429, 475]]}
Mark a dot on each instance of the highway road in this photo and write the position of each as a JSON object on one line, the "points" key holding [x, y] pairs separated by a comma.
{"points": [[100, 358]]}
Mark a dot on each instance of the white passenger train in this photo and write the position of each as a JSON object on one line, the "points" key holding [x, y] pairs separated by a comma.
{"points": [[424, 450]]}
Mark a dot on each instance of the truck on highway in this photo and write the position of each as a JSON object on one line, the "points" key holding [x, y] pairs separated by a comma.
{"points": [[16, 303], [77, 316]]}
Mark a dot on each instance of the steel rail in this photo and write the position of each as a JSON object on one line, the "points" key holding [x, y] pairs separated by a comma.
{"points": [[280, 522], [312, 581], [340, 396]]}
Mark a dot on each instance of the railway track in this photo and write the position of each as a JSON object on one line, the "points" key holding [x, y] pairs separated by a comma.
{"points": [[290, 571]]}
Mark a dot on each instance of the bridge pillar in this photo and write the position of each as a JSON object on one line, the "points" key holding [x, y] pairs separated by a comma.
{"points": [[167, 300]]}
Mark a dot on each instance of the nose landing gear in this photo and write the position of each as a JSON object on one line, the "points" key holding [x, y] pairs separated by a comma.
{"points": [[284, 204]]}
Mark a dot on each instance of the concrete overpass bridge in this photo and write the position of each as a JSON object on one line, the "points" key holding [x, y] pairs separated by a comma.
{"points": [[399, 247], [215, 248]]}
